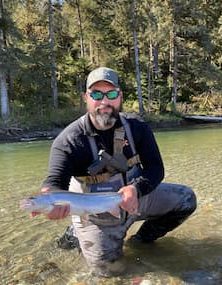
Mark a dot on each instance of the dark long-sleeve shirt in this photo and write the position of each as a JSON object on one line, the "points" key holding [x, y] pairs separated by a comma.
{"points": [[71, 153]]}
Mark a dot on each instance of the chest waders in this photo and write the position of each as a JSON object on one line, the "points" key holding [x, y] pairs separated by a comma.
{"points": [[110, 180]]}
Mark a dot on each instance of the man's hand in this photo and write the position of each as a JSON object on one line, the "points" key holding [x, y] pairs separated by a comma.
{"points": [[57, 213], [130, 201]]}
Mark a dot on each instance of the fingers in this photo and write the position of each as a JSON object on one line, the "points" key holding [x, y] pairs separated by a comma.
{"points": [[33, 214], [132, 208], [45, 189], [130, 205], [59, 212], [36, 213], [130, 201]]}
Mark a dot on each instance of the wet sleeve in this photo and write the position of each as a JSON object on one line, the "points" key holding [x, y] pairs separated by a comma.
{"points": [[152, 164]]}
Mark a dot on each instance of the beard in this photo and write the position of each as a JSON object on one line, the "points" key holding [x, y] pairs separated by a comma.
{"points": [[105, 120]]}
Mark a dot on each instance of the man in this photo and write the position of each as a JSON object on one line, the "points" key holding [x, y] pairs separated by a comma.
{"points": [[105, 151]]}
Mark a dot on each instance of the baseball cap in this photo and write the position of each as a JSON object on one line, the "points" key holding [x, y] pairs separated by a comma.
{"points": [[102, 74]]}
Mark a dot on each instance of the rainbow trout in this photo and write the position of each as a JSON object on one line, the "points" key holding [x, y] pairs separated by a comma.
{"points": [[80, 203]]}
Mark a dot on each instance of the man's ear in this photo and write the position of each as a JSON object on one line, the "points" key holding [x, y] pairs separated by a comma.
{"points": [[121, 94]]}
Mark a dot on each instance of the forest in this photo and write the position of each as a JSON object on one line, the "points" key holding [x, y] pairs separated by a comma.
{"points": [[168, 55]]}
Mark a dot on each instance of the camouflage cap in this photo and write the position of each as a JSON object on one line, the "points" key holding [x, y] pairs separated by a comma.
{"points": [[102, 74]]}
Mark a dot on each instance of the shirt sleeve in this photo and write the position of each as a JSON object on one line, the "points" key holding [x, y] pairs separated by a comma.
{"points": [[59, 170], [152, 164]]}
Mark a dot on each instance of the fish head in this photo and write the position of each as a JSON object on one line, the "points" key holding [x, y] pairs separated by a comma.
{"points": [[34, 204]]}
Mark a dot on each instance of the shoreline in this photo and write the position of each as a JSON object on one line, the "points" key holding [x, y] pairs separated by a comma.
{"points": [[22, 135], [28, 136]]}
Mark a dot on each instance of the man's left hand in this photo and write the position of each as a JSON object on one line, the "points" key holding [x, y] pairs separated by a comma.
{"points": [[130, 201]]}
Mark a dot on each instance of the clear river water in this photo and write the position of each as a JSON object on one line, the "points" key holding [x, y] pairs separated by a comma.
{"points": [[191, 254]]}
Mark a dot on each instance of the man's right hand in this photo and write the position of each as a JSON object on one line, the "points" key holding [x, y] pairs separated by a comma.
{"points": [[57, 213]]}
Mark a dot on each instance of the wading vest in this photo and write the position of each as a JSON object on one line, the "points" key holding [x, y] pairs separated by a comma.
{"points": [[106, 181]]}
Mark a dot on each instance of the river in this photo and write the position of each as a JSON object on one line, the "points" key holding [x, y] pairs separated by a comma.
{"points": [[191, 254]]}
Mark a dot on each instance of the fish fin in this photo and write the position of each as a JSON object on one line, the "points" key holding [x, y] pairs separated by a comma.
{"points": [[115, 212]]}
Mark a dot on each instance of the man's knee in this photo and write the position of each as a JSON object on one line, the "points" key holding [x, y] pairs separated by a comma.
{"points": [[189, 201]]}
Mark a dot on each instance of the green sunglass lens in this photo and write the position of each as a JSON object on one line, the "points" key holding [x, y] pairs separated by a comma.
{"points": [[112, 94], [96, 95]]}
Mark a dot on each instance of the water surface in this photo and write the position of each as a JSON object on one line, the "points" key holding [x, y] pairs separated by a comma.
{"points": [[191, 254]]}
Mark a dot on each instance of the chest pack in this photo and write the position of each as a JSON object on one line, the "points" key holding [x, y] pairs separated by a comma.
{"points": [[110, 173]]}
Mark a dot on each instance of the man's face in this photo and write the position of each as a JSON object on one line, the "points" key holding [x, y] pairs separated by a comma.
{"points": [[103, 112]]}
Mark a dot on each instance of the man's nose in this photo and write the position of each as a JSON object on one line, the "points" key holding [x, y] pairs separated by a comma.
{"points": [[105, 100]]}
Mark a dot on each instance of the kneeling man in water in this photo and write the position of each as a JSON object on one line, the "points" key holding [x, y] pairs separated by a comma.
{"points": [[105, 150]]}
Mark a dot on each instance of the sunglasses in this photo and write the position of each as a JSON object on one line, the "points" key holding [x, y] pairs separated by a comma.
{"points": [[99, 95]]}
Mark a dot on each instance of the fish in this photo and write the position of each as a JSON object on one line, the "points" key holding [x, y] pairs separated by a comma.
{"points": [[81, 204]]}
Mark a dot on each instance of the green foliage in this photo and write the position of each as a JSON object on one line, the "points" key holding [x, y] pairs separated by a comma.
{"points": [[91, 33], [39, 118]]}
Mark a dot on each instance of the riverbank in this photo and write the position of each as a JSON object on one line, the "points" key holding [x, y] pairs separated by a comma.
{"points": [[21, 135], [11, 134]]}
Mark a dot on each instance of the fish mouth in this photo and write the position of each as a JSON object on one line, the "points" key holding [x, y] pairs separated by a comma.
{"points": [[26, 204]]}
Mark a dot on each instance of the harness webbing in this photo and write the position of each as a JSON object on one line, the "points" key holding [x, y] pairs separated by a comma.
{"points": [[128, 133], [119, 142]]}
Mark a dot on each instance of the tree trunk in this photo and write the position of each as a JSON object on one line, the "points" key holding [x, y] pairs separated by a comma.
{"points": [[3, 83], [173, 68], [136, 53], [91, 55], [54, 88], [148, 76], [4, 97], [152, 77], [155, 52], [82, 48], [82, 54]]}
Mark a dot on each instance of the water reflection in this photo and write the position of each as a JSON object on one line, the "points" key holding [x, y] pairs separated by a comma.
{"points": [[192, 254]]}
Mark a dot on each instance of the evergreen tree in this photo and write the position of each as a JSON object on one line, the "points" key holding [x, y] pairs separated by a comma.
{"points": [[167, 51]]}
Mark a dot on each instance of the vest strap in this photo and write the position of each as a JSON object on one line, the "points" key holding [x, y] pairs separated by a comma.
{"points": [[128, 133], [119, 140]]}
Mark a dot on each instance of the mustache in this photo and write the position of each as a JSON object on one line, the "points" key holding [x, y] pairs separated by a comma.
{"points": [[105, 106], [113, 114]]}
